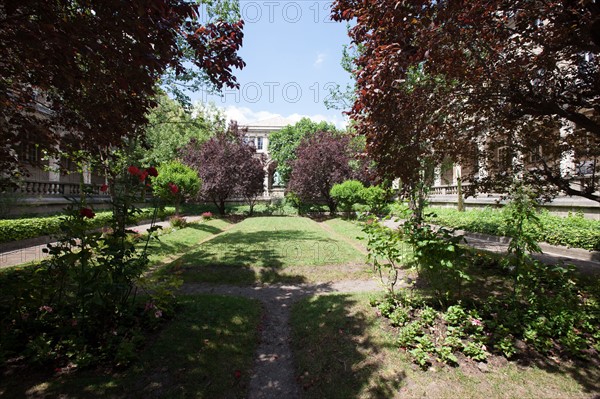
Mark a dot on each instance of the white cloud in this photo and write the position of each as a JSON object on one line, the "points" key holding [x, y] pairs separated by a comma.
{"points": [[319, 60], [244, 115]]}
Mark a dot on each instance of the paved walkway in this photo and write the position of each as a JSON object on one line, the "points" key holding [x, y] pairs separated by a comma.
{"points": [[35, 252], [585, 261]]}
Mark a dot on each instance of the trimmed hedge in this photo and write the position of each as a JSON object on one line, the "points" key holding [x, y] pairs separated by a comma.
{"points": [[21, 229], [572, 231]]}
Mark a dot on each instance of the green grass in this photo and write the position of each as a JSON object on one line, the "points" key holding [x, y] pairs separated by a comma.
{"points": [[342, 350], [272, 249], [351, 229], [195, 355], [180, 240]]}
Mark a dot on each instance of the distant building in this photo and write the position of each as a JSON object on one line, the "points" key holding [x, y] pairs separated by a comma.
{"points": [[259, 133]]}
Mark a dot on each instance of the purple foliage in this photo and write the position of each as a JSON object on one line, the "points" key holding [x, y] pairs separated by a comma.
{"points": [[227, 166], [322, 161]]}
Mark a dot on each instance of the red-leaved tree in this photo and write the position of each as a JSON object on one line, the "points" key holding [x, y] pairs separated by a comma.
{"points": [[322, 160], [83, 75], [227, 166], [505, 87]]}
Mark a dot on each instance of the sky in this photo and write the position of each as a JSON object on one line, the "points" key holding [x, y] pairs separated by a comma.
{"points": [[292, 52]]}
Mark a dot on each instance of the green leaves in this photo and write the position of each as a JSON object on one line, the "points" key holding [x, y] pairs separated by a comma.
{"points": [[572, 231]]}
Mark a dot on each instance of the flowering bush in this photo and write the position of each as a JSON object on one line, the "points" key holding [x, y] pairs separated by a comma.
{"points": [[176, 183], [207, 215], [178, 222], [79, 305]]}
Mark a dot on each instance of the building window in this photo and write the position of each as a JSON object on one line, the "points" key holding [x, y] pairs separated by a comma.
{"points": [[29, 153], [259, 143]]}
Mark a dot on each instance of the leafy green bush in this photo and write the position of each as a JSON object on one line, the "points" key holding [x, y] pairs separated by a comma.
{"points": [[302, 207], [176, 182], [21, 229], [554, 313], [375, 198], [81, 305], [572, 231], [347, 194]]}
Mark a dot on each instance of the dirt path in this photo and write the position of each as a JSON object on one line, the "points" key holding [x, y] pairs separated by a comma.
{"points": [[273, 374]]}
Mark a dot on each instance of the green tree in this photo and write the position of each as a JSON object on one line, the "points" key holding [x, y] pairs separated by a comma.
{"points": [[171, 127], [176, 182], [283, 143]]}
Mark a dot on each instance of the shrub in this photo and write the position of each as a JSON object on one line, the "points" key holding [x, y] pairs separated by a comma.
{"points": [[21, 229], [81, 304], [375, 198], [347, 194], [176, 182], [178, 222], [572, 231]]}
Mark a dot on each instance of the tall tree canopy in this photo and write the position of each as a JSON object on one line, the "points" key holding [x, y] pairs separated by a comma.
{"points": [[481, 82], [171, 126], [323, 159], [283, 143], [83, 74], [227, 166]]}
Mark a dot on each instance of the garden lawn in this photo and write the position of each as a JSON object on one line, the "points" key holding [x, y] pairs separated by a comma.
{"points": [[351, 229], [206, 351], [179, 240], [343, 350], [272, 249]]}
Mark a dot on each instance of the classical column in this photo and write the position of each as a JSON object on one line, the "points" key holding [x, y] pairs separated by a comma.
{"points": [[53, 170]]}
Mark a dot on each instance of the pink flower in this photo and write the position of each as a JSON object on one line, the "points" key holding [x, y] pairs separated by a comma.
{"points": [[133, 170], [207, 215], [152, 171], [87, 213], [74, 323], [149, 306], [46, 308], [158, 314], [104, 188], [475, 322]]}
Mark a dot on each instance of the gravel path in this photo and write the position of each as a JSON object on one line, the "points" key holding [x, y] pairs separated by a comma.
{"points": [[273, 374]]}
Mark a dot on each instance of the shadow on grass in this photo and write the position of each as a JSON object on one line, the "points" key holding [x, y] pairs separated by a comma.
{"points": [[205, 227], [195, 355], [336, 355], [235, 257]]}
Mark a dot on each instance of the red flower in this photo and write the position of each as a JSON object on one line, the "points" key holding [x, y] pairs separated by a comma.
{"points": [[87, 213], [173, 187], [152, 171], [133, 170], [143, 175], [237, 374], [104, 188]]}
